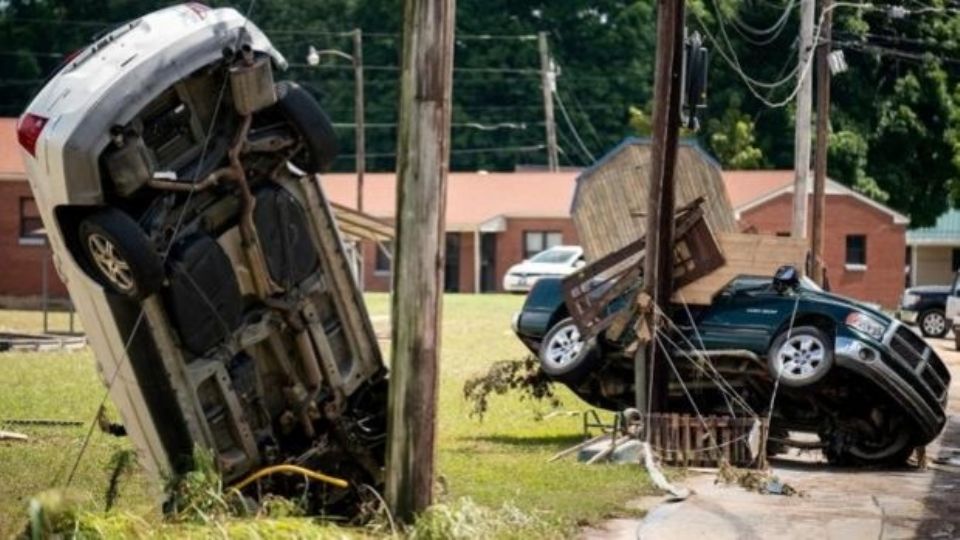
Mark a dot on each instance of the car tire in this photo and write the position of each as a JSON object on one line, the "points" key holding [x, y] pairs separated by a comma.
{"points": [[119, 255], [933, 323], [302, 111], [848, 446], [564, 357], [800, 357]]}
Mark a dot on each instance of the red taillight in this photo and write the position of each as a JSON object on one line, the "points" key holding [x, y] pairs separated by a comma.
{"points": [[28, 131]]}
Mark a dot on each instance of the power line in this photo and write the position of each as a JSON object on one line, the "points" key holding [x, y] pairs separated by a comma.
{"points": [[573, 129]]}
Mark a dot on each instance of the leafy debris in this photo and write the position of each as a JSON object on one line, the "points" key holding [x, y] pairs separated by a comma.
{"points": [[520, 375]]}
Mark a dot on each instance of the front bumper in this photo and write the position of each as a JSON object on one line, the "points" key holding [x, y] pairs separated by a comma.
{"points": [[916, 379], [908, 316]]}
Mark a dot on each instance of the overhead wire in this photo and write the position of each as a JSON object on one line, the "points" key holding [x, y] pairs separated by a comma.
{"points": [[573, 129], [801, 72]]}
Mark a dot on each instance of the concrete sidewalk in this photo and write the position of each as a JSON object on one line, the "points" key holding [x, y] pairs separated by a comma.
{"points": [[842, 504]]}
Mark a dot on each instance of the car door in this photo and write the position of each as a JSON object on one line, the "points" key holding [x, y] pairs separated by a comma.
{"points": [[743, 319], [953, 301]]}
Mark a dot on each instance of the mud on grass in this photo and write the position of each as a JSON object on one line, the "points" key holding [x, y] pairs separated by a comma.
{"points": [[499, 460]]}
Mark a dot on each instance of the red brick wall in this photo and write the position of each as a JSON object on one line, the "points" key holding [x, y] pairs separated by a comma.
{"points": [[21, 272], [510, 242], [883, 280]]}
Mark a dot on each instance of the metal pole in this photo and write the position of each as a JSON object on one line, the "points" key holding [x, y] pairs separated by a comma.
{"points": [[423, 153], [658, 262], [801, 158], [823, 140], [548, 83], [358, 107], [46, 291]]}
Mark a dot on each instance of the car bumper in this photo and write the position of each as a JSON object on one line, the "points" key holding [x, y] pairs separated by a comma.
{"points": [[914, 384], [513, 283], [908, 316]]}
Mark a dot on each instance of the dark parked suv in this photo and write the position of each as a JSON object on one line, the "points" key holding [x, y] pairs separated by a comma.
{"points": [[869, 386], [926, 307]]}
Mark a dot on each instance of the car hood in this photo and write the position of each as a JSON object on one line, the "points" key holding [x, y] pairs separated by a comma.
{"points": [[540, 268], [930, 289], [843, 301]]}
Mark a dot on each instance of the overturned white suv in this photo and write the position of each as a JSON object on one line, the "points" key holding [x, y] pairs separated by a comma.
{"points": [[178, 185]]}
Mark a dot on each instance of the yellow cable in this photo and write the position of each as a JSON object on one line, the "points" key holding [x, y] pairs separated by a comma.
{"points": [[291, 469]]}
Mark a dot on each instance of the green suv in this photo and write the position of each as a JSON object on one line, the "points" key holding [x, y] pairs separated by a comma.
{"points": [[867, 385]]}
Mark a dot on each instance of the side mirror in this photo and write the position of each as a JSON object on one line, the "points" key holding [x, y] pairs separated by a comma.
{"points": [[579, 263], [786, 278]]}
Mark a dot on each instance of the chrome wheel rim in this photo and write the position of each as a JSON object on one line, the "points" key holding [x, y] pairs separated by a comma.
{"points": [[564, 347], [108, 260], [934, 324], [800, 358]]}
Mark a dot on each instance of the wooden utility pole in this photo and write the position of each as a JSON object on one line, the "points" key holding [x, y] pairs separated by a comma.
{"points": [[823, 140], [658, 261], [423, 153], [548, 83], [802, 139], [358, 108]]}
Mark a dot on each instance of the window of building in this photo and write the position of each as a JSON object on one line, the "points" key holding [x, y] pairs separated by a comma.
{"points": [[536, 241], [956, 259], [856, 252], [384, 258], [31, 226], [783, 234]]}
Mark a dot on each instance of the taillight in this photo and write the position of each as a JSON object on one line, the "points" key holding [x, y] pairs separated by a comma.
{"points": [[28, 131]]}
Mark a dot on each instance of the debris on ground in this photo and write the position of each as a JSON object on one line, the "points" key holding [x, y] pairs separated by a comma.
{"points": [[763, 482], [12, 436]]}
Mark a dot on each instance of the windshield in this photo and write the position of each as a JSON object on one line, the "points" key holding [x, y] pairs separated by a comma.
{"points": [[554, 256]]}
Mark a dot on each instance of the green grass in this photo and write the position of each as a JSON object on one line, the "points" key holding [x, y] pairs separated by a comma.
{"points": [[501, 460]]}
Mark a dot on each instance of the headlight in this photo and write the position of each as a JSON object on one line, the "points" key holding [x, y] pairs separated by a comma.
{"points": [[866, 324], [910, 299]]}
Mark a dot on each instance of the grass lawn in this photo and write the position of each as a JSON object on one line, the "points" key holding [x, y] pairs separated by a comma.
{"points": [[499, 460]]}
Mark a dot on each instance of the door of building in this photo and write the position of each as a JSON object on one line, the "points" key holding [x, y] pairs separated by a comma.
{"points": [[451, 268], [488, 262]]}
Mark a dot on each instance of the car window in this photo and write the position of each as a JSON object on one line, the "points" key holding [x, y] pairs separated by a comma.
{"points": [[554, 256]]}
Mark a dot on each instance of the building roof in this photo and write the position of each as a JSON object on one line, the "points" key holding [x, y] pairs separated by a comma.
{"points": [[11, 166], [749, 189], [746, 186], [473, 199], [945, 232]]}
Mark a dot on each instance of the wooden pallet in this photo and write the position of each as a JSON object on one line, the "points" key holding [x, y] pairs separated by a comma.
{"points": [[683, 441]]}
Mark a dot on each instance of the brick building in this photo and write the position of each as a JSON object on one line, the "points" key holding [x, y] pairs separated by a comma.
{"points": [[23, 246], [493, 221], [864, 244]]}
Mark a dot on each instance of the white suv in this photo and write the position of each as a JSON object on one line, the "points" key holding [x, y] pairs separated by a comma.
{"points": [[178, 186]]}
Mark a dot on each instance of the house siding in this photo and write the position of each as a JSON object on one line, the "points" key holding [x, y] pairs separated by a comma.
{"points": [[934, 265], [883, 280]]}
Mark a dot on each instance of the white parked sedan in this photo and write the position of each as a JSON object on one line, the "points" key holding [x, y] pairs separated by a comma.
{"points": [[556, 261]]}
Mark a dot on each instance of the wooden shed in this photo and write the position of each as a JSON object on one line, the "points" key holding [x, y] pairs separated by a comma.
{"points": [[610, 204], [610, 201]]}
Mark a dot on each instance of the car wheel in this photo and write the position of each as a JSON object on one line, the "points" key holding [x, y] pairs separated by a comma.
{"points": [[306, 116], [800, 357], [564, 356], [933, 323], [880, 438], [119, 254]]}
